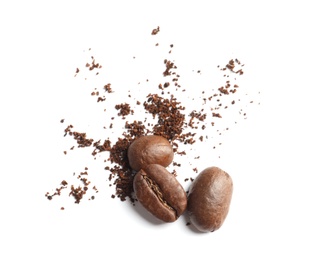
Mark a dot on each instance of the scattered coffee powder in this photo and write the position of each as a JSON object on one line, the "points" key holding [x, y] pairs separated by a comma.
{"points": [[63, 185], [108, 88], [170, 120], [80, 138], [124, 110], [92, 66]]}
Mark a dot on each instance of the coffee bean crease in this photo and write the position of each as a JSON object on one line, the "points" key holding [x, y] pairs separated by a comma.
{"points": [[156, 189]]}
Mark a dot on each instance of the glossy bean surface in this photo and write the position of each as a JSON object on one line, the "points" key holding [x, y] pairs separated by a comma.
{"points": [[160, 193], [209, 199]]}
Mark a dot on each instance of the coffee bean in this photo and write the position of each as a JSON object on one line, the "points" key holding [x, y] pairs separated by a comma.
{"points": [[149, 149], [209, 199], [160, 192]]}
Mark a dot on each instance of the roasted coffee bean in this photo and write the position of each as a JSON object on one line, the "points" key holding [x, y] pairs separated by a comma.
{"points": [[149, 149], [160, 192], [209, 199]]}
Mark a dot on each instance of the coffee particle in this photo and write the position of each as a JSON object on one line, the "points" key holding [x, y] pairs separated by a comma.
{"points": [[169, 66], [155, 31], [108, 88], [124, 109]]}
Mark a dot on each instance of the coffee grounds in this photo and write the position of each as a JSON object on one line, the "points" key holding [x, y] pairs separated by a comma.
{"points": [[171, 122], [80, 138], [58, 190], [92, 65], [170, 118], [124, 110], [106, 146], [79, 191], [169, 66], [108, 88], [198, 115]]}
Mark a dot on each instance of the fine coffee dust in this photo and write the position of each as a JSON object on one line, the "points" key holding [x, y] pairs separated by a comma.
{"points": [[163, 114]]}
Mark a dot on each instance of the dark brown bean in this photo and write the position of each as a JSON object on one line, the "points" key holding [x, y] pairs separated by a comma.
{"points": [[209, 199], [160, 192], [149, 149]]}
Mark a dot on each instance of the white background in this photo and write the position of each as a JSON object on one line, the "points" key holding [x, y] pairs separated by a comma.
{"points": [[42, 43]]}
